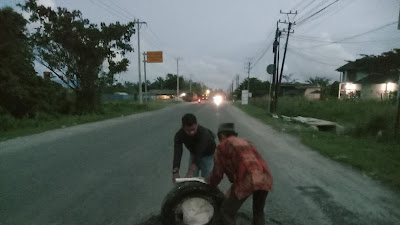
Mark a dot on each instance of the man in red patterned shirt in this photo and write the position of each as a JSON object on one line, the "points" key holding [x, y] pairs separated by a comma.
{"points": [[245, 169]]}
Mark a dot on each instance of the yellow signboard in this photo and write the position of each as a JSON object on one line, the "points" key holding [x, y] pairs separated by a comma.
{"points": [[154, 57]]}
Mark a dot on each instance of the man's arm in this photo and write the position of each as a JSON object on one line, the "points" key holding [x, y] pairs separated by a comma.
{"points": [[218, 172], [178, 149]]}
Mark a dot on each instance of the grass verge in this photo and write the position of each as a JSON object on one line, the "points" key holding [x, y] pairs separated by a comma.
{"points": [[11, 127], [379, 160]]}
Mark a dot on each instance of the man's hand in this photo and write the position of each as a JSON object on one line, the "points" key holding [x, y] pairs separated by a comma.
{"points": [[174, 176], [189, 174], [191, 170]]}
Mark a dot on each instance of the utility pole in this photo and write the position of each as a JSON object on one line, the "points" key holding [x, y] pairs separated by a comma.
{"points": [[398, 25], [232, 90], [140, 77], [248, 67], [145, 78], [237, 81], [279, 81], [275, 74], [397, 122], [177, 77], [190, 83], [270, 91]]}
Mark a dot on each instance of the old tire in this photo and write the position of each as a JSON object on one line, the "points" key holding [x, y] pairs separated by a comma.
{"points": [[171, 212]]}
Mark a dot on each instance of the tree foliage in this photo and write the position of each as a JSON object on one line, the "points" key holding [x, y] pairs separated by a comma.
{"points": [[288, 79], [320, 81], [169, 83], [75, 49], [386, 63], [258, 88], [159, 83], [22, 92]]}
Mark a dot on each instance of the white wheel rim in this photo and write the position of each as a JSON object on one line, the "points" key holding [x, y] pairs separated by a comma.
{"points": [[197, 211]]}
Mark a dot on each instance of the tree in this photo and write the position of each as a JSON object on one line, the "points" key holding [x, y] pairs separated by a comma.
{"points": [[22, 92], [197, 88], [331, 90], [170, 82], [387, 63], [131, 88], [321, 81], [159, 83], [327, 90], [288, 79], [128, 87], [74, 49], [258, 88]]}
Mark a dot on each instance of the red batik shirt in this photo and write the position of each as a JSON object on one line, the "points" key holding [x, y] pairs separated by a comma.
{"points": [[243, 165]]}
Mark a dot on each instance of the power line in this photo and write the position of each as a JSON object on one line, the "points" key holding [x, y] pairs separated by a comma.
{"points": [[316, 13], [156, 41], [121, 8], [151, 40], [344, 42], [313, 8], [298, 5], [261, 51], [354, 36], [260, 54], [302, 55], [263, 54], [154, 34], [328, 14], [308, 5], [370, 31], [330, 58], [111, 12], [105, 3]]}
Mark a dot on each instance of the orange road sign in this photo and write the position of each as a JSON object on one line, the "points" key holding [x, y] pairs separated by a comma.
{"points": [[155, 57]]}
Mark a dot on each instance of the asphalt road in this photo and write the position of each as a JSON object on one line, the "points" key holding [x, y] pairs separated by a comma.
{"points": [[118, 172]]}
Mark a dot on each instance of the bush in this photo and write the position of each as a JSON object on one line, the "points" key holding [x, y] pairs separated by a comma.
{"points": [[7, 122]]}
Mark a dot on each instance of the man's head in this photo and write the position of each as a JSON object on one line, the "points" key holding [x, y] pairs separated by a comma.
{"points": [[189, 124], [226, 130]]}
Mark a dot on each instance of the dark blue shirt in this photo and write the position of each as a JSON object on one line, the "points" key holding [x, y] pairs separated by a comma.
{"points": [[200, 145]]}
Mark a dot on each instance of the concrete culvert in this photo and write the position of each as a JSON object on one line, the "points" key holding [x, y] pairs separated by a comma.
{"points": [[192, 203]]}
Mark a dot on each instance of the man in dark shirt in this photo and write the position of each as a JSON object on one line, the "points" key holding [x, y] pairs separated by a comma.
{"points": [[201, 144]]}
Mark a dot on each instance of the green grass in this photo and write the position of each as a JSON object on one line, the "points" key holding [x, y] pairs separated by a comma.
{"points": [[11, 127], [361, 118], [380, 159]]}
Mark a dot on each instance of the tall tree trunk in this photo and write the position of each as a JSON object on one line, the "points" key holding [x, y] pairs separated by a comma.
{"points": [[88, 95]]}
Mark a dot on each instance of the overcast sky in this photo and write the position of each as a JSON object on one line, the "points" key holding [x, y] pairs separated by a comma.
{"points": [[214, 38]]}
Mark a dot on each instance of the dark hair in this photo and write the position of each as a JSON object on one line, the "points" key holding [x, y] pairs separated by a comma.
{"points": [[189, 119], [227, 134]]}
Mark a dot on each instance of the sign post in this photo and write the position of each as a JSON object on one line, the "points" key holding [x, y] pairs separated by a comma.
{"points": [[151, 57], [271, 69], [245, 97]]}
